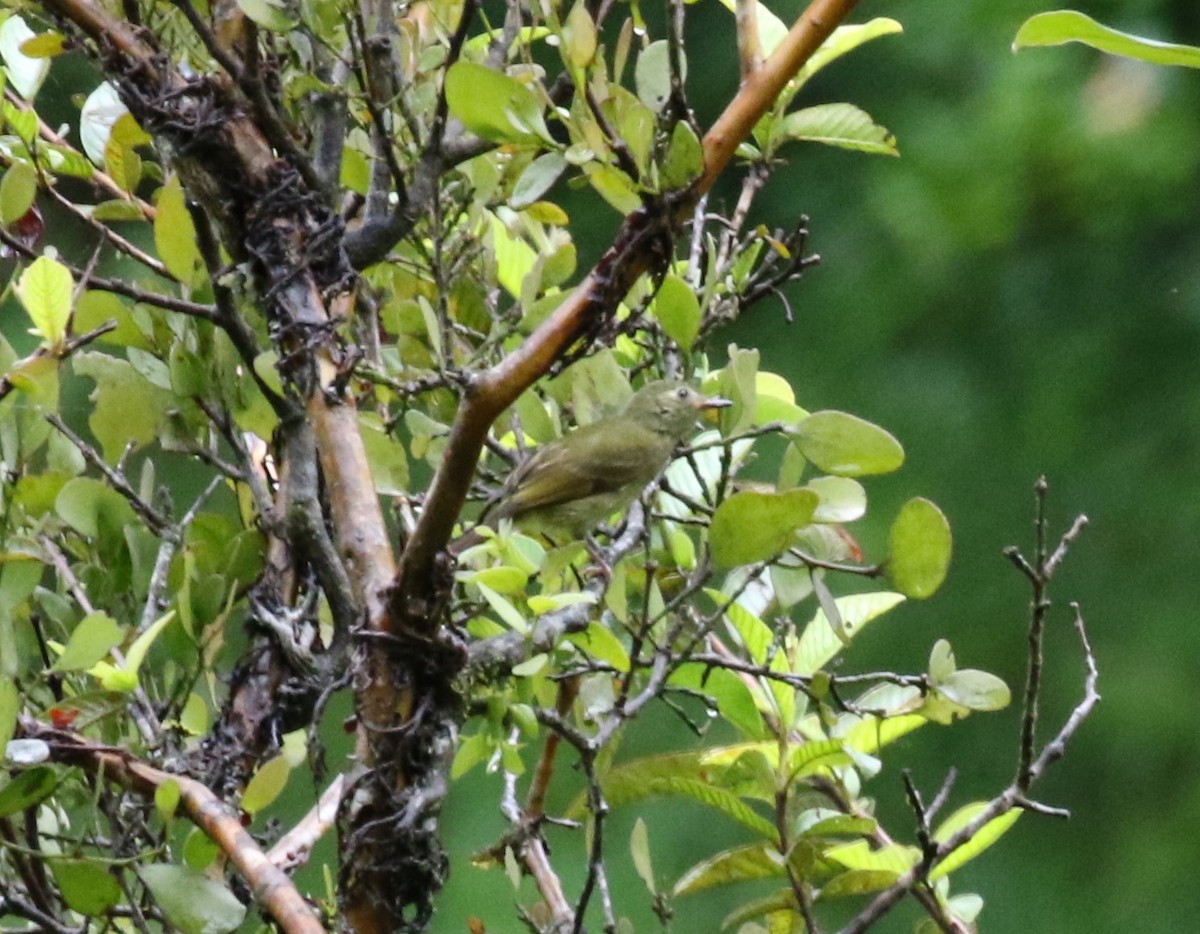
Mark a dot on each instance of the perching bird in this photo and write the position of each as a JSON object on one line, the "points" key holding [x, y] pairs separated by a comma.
{"points": [[569, 486]]}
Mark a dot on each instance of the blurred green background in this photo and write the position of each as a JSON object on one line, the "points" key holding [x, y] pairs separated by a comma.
{"points": [[1018, 294]]}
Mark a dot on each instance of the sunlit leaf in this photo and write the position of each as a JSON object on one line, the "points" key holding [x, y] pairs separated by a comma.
{"points": [[537, 179], [847, 445], [493, 105], [677, 309], [273, 15], [639, 849], [988, 834], [1062, 26], [90, 641], [266, 784], [175, 234], [652, 75], [25, 73], [740, 864], [752, 526], [841, 125], [17, 191], [919, 546], [46, 290], [818, 644]]}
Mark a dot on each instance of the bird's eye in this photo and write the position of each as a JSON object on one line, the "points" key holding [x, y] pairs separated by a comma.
{"points": [[682, 392]]}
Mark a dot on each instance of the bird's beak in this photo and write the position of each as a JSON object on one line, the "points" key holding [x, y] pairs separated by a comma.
{"points": [[709, 404], [705, 403]]}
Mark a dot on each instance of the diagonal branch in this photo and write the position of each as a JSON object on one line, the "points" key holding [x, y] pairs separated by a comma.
{"points": [[271, 887], [634, 251]]}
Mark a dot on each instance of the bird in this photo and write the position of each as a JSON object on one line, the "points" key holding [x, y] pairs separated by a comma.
{"points": [[568, 486]]}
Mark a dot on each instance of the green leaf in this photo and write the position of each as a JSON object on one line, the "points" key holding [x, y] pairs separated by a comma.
{"points": [[919, 546], [494, 106], [578, 37], [537, 179], [166, 798], [684, 160], [272, 15], [92, 639], [639, 849], [894, 858], [771, 29], [192, 902], [976, 690], [652, 75], [17, 191], [614, 186], [844, 39], [841, 125], [740, 864], [678, 310], [175, 234], [1062, 26], [504, 609], [857, 882], [782, 901], [127, 406], [46, 290], [10, 706], [502, 579], [389, 466], [87, 887], [27, 789], [266, 785], [25, 73], [840, 499], [847, 445], [600, 643], [752, 526], [988, 834], [818, 644]]}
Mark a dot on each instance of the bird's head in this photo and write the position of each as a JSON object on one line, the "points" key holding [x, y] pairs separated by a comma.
{"points": [[670, 407]]}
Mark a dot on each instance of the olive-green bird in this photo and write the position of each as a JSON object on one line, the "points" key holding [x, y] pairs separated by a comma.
{"points": [[569, 486]]}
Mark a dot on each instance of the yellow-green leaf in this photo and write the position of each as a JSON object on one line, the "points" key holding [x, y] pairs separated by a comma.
{"points": [[45, 289]]}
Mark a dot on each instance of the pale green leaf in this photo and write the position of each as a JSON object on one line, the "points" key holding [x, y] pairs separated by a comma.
{"points": [[988, 834], [537, 179], [818, 644], [857, 882], [46, 290], [25, 73], [895, 858], [600, 643], [740, 864], [1062, 26], [272, 15], [494, 106], [841, 125], [847, 445], [90, 641], [919, 546], [266, 784], [677, 309], [841, 499], [166, 798], [652, 75], [976, 690], [751, 526], [191, 901], [639, 849], [17, 191], [175, 234]]}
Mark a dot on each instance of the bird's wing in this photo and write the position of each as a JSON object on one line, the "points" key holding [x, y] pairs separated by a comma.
{"points": [[597, 461]]}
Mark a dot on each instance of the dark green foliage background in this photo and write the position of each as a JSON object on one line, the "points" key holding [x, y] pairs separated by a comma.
{"points": [[1019, 293]]}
